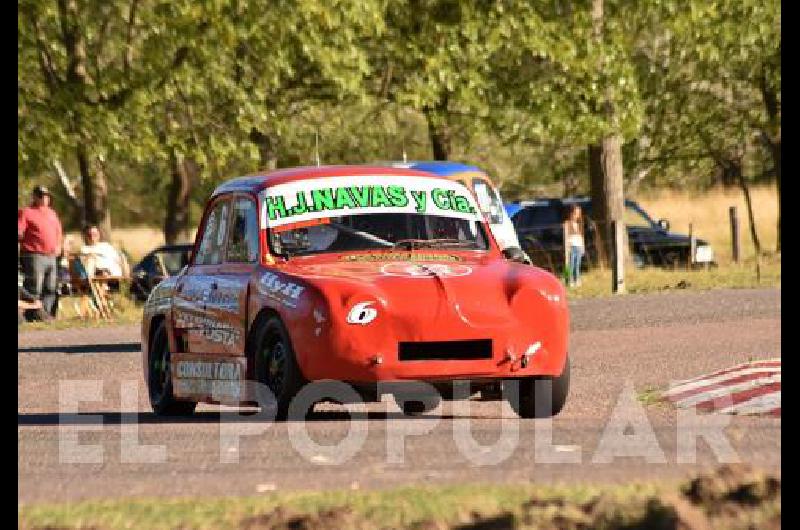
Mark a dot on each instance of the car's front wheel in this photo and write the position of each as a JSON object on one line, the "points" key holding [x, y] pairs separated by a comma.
{"points": [[276, 365], [159, 381], [540, 396]]}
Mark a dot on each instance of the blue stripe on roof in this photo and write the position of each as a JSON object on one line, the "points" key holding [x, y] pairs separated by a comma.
{"points": [[441, 167]]}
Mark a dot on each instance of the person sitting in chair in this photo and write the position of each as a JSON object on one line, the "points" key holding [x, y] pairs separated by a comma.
{"points": [[101, 258]]}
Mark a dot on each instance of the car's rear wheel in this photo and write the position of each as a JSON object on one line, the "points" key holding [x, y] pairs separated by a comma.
{"points": [[540, 396], [159, 381], [276, 364]]}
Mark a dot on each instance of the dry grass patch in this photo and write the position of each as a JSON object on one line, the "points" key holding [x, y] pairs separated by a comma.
{"points": [[708, 214]]}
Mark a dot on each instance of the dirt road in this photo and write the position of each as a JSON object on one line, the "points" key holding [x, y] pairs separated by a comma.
{"points": [[621, 349]]}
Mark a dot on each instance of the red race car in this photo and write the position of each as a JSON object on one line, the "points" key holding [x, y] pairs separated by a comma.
{"points": [[374, 276]]}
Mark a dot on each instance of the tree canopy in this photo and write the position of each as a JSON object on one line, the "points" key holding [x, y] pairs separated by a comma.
{"points": [[147, 104]]}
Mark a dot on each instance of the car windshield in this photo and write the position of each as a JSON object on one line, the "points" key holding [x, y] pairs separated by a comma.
{"points": [[380, 231], [340, 214], [635, 216]]}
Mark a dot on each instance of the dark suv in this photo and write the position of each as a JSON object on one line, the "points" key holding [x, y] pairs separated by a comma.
{"points": [[539, 228]]}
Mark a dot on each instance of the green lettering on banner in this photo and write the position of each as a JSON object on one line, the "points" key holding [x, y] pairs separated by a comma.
{"points": [[379, 197], [343, 199], [397, 196], [360, 195], [462, 204], [301, 207], [322, 199], [275, 208], [439, 197], [420, 198]]}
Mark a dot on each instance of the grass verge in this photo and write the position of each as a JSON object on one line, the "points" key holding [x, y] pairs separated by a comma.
{"points": [[730, 497], [126, 311], [597, 282]]}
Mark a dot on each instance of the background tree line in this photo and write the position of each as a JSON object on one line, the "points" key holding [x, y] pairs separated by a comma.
{"points": [[134, 110]]}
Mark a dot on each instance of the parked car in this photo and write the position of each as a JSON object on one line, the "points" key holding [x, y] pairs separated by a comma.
{"points": [[375, 276], [538, 225], [487, 195], [163, 262]]}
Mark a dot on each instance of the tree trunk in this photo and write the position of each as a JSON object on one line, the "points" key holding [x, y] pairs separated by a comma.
{"points": [[176, 221], [268, 157], [605, 166], [438, 131], [95, 192], [752, 220], [776, 158], [605, 174]]}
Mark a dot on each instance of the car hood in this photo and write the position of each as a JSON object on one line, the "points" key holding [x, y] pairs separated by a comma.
{"points": [[463, 292], [656, 235]]}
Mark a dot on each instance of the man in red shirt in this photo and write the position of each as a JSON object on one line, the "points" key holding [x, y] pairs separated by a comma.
{"points": [[40, 239]]}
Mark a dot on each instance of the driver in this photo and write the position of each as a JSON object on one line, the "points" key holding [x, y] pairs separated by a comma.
{"points": [[321, 237]]}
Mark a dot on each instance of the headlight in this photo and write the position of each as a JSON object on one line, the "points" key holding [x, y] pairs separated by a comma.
{"points": [[704, 254]]}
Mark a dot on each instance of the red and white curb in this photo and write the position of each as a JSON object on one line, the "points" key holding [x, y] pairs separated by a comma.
{"points": [[746, 389]]}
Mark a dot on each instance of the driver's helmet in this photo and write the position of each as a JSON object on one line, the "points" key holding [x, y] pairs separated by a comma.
{"points": [[321, 237]]}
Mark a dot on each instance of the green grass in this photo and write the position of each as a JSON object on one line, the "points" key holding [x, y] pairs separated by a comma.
{"points": [[650, 396], [388, 508], [597, 282], [126, 311], [633, 505]]}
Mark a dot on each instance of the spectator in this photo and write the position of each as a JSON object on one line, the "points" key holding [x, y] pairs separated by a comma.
{"points": [[40, 234], [573, 243], [103, 258], [27, 303]]}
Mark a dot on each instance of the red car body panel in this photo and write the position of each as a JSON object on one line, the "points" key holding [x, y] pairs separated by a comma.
{"points": [[419, 296]]}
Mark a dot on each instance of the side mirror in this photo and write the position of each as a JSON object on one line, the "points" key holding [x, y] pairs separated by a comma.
{"points": [[663, 224], [516, 254]]}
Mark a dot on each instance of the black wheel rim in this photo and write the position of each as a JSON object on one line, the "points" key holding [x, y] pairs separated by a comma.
{"points": [[159, 371], [275, 354]]}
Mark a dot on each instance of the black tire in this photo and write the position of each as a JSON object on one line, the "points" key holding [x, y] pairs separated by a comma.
{"points": [[276, 364], [159, 381], [537, 399], [418, 406]]}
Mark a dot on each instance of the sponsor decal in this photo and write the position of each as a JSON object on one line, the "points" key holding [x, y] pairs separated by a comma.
{"points": [[207, 387], [223, 298], [412, 270], [208, 370], [213, 330], [306, 200], [362, 313], [395, 256], [282, 291]]}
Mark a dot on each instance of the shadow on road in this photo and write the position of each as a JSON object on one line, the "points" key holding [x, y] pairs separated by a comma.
{"points": [[77, 349], [145, 418]]}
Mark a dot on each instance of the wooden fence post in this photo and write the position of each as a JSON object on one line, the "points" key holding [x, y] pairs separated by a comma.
{"points": [[618, 261], [734, 233]]}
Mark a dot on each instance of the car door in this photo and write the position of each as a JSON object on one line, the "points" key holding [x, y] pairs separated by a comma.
{"points": [[235, 274], [195, 298]]}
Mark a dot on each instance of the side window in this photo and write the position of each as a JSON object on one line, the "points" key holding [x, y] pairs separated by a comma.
{"points": [[243, 239], [210, 251], [488, 200]]}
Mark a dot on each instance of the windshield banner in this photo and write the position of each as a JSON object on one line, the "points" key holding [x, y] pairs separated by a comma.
{"points": [[307, 200]]}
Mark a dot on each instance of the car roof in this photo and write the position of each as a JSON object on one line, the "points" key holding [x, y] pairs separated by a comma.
{"points": [[257, 182], [438, 167], [548, 201]]}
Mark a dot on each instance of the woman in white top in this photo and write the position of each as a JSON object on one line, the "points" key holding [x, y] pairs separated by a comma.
{"points": [[573, 242], [102, 258]]}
